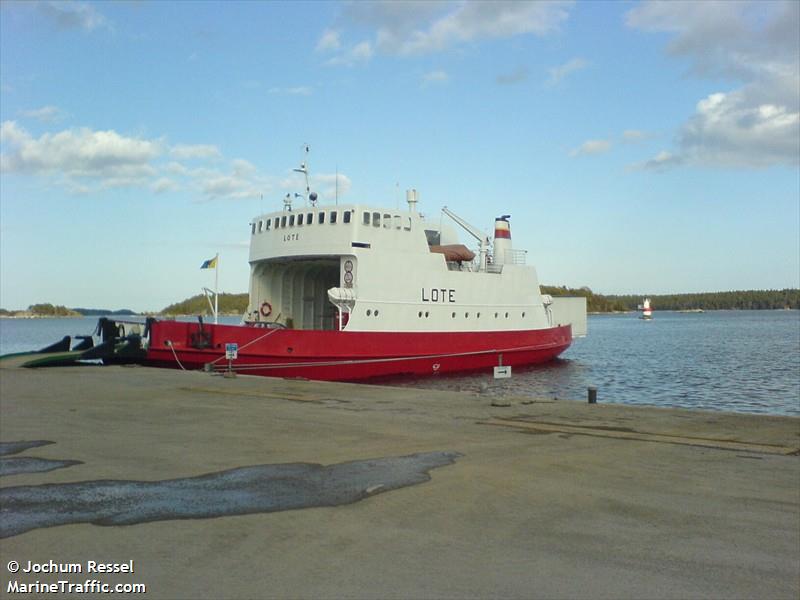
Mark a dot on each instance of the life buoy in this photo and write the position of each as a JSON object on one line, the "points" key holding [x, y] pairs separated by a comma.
{"points": [[266, 309]]}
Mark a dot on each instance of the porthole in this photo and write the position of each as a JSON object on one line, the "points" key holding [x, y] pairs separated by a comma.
{"points": [[479, 315], [495, 315], [427, 314], [369, 312], [454, 315], [466, 315], [506, 315], [376, 313], [420, 314], [523, 315]]}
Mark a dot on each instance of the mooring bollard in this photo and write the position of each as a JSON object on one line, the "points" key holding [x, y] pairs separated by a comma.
{"points": [[592, 394]]}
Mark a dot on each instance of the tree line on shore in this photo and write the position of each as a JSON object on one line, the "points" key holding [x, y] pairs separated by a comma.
{"points": [[735, 300], [236, 304]]}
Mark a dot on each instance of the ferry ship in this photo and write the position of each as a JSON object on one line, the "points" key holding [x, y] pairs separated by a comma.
{"points": [[354, 291]]}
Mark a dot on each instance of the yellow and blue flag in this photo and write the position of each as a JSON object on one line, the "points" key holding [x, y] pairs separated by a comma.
{"points": [[211, 263]]}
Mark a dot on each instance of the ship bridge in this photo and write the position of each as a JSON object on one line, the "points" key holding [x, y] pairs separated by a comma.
{"points": [[298, 256]]}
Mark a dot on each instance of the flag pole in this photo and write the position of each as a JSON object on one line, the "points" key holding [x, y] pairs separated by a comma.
{"points": [[216, 288]]}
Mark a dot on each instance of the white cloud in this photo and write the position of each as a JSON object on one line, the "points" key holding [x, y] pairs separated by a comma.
{"points": [[756, 43], [561, 72], [660, 161], [84, 161], [591, 147], [189, 151], [329, 41], [730, 130], [77, 153], [242, 167], [416, 28], [473, 21], [45, 114], [74, 15], [163, 184], [301, 90], [434, 77], [228, 186], [634, 135]]}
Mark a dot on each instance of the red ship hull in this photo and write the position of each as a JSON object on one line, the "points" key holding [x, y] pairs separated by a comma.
{"points": [[347, 356]]}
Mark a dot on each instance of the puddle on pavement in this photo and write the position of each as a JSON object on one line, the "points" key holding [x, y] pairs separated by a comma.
{"points": [[241, 491], [24, 464], [8, 448]]}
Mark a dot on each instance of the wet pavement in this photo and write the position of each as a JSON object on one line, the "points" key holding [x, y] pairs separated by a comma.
{"points": [[190, 476]]}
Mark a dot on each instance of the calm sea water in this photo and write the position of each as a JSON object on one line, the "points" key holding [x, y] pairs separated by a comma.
{"points": [[743, 361]]}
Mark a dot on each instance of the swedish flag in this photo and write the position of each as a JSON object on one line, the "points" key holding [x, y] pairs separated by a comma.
{"points": [[211, 263]]}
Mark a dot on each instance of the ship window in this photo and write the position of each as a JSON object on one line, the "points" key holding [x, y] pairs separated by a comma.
{"points": [[466, 315], [523, 315], [427, 314], [495, 315], [419, 314], [369, 312], [376, 312], [453, 315], [506, 315], [333, 217], [309, 218], [269, 222], [433, 236], [253, 228], [260, 226], [408, 224], [300, 219], [376, 219], [366, 218], [291, 221], [283, 221], [397, 222], [387, 221], [346, 216], [479, 315], [321, 217]]}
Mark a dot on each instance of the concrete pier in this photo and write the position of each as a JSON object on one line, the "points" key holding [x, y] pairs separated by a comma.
{"points": [[553, 499]]}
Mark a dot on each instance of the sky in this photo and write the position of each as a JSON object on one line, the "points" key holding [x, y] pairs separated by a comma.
{"points": [[639, 147]]}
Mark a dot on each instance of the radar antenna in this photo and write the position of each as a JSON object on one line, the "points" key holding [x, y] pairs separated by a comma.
{"points": [[311, 197]]}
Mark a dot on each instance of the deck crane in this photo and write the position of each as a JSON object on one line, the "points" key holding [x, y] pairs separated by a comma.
{"points": [[482, 238]]}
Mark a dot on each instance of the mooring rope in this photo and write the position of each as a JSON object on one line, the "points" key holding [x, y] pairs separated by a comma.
{"points": [[177, 360], [270, 332]]}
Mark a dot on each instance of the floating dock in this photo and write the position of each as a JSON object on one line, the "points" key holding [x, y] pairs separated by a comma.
{"points": [[549, 499]]}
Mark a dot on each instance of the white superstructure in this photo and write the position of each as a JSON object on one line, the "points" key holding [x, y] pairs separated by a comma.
{"points": [[362, 268]]}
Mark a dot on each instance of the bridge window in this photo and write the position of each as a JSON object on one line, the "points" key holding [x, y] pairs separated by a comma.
{"points": [[300, 219], [269, 221], [253, 228], [283, 221], [408, 224], [291, 221], [387, 221], [366, 218], [376, 219], [333, 217], [310, 218], [321, 217], [346, 216]]}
